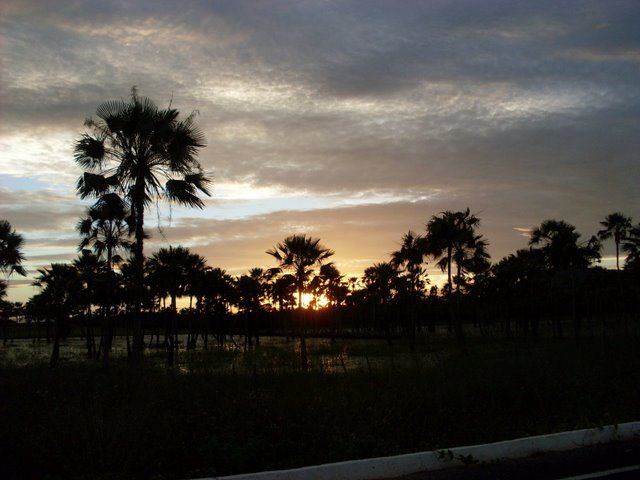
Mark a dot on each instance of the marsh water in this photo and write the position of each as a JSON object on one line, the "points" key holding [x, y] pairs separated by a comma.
{"points": [[237, 356]]}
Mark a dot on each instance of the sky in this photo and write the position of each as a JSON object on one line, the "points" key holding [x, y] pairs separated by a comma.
{"points": [[351, 121]]}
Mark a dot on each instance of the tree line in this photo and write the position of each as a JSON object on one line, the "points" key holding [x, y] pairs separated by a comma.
{"points": [[136, 153]]}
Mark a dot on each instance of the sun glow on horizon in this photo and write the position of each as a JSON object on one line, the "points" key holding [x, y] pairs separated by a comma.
{"points": [[311, 301]]}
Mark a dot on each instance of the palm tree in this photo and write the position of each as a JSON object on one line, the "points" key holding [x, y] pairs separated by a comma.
{"points": [[471, 257], [90, 271], [565, 254], [251, 289], [170, 268], [560, 243], [10, 254], [379, 282], [218, 292], [145, 153], [300, 254], [105, 229], [448, 236], [411, 258], [631, 246], [615, 225], [516, 281], [448, 233], [283, 291], [334, 287], [60, 290]]}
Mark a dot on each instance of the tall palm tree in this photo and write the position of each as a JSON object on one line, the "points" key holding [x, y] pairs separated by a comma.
{"points": [[559, 241], [218, 294], [448, 233], [379, 281], [411, 258], [11, 244], [90, 270], [615, 225], [283, 291], [518, 280], [631, 246], [448, 236], [471, 257], [251, 289], [11, 256], [60, 286], [145, 153], [301, 255], [564, 252], [335, 289], [105, 229], [170, 268]]}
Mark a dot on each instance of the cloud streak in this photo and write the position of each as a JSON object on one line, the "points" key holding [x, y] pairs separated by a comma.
{"points": [[353, 120]]}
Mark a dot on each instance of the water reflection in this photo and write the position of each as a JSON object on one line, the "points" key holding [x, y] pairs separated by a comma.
{"points": [[237, 357]]}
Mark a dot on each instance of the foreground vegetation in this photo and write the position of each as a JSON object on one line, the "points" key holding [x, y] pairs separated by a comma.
{"points": [[196, 419]]}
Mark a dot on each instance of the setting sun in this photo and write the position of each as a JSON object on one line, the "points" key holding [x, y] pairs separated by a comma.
{"points": [[309, 300]]}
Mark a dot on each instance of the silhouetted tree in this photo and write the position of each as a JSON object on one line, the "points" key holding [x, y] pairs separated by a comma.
{"points": [[448, 238], [170, 268], [471, 257], [301, 255], [11, 244], [514, 286], [563, 252], [105, 230], [251, 290], [218, 294], [379, 281], [60, 291], [144, 153], [559, 242], [615, 225], [631, 246], [11, 256], [90, 271], [410, 258]]}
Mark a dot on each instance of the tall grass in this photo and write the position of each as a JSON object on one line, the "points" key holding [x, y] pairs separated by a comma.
{"points": [[200, 419]]}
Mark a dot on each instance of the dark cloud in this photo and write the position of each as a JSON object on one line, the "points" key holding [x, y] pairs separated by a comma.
{"points": [[520, 110]]}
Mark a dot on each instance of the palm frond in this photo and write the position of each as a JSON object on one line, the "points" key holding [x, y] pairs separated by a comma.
{"points": [[182, 192], [93, 184], [200, 181], [89, 152]]}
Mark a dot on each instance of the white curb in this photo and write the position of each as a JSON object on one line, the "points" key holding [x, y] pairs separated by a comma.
{"points": [[388, 467]]}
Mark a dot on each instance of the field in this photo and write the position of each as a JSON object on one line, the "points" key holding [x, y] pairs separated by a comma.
{"points": [[230, 411]]}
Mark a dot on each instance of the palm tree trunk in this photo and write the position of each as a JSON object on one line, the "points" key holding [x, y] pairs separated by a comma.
{"points": [[303, 326], [173, 336], [106, 325], [139, 270], [55, 353], [450, 289]]}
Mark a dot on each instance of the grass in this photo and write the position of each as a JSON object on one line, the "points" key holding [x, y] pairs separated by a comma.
{"points": [[200, 419]]}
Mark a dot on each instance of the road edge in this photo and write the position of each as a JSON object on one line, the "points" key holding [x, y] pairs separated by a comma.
{"points": [[399, 465]]}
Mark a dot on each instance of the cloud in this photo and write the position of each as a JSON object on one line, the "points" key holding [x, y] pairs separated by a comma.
{"points": [[351, 120]]}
